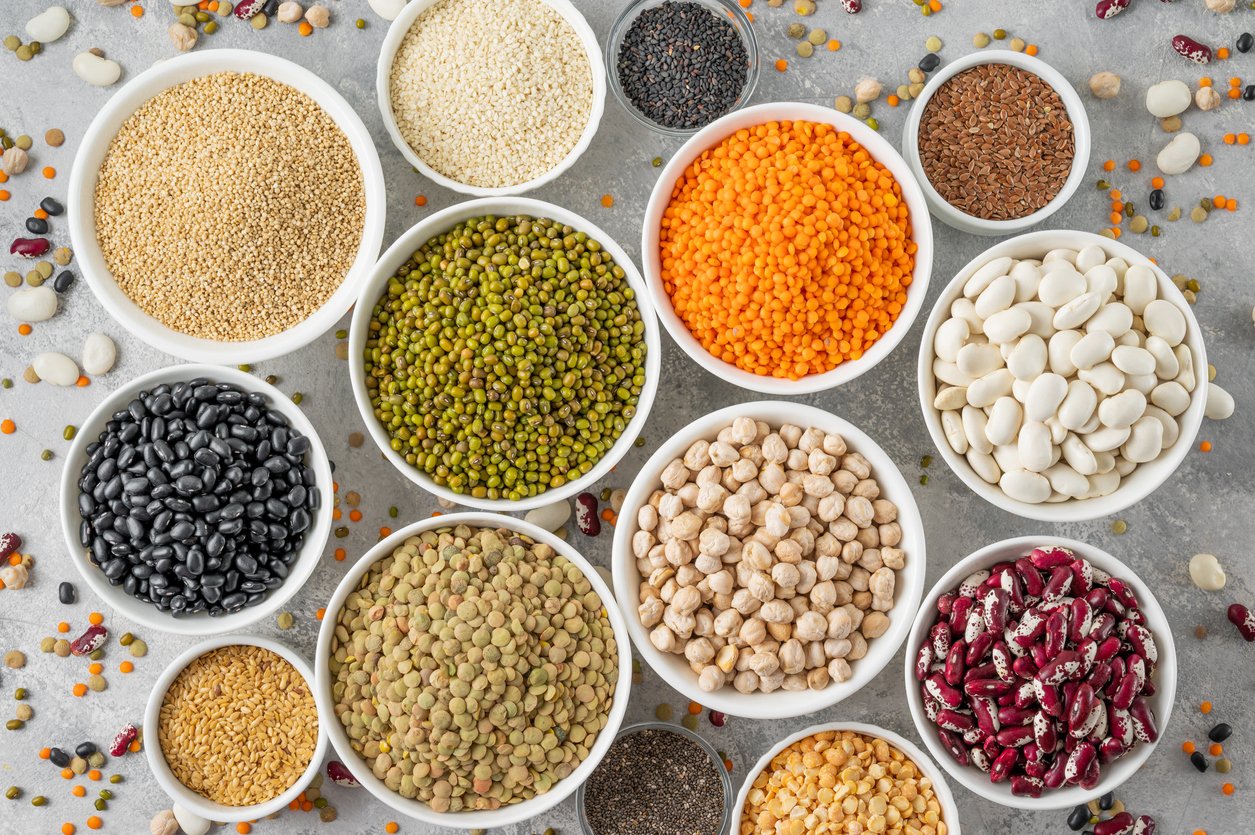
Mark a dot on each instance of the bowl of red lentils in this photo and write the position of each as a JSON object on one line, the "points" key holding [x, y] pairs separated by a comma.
{"points": [[787, 248], [845, 777], [226, 205]]}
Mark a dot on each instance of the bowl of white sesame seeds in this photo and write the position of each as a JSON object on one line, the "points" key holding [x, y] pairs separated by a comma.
{"points": [[226, 206]]}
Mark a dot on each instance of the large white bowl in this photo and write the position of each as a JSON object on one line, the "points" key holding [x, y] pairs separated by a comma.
{"points": [[196, 803], [404, 248], [198, 624], [95, 145], [717, 131], [383, 86], [1165, 677], [674, 669], [506, 815], [949, 811], [1138, 484], [960, 220]]}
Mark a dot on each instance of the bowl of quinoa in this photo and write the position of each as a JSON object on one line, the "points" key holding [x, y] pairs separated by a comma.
{"points": [[491, 99], [225, 206]]}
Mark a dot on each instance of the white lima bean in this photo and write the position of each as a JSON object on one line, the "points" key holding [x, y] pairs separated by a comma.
{"points": [[1206, 572], [781, 584], [1058, 377]]}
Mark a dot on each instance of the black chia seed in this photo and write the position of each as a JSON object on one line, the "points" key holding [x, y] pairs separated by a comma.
{"points": [[655, 782], [682, 65]]}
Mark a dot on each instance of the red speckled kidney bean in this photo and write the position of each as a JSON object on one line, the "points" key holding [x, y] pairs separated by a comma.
{"points": [[1107, 9], [1187, 47], [852, 6], [339, 774], [586, 514], [123, 740], [1241, 617], [1037, 671], [90, 641], [1121, 824], [29, 247], [9, 543]]}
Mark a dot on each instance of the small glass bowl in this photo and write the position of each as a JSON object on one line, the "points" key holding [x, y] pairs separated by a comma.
{"points": [[724, 8], [724, 780]]}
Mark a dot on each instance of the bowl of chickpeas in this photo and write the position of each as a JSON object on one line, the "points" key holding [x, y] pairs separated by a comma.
{"points": [[884, 782], [774, 555]]}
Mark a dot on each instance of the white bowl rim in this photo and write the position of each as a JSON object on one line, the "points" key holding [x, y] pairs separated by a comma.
{"points": [[416, 809], [881, 150], [162, 76], [383, 89], [181, 794], [1073, 510], [909, 582], [442, 221], [1123, 769], [199, 624], [938, 205], [949, 810]]}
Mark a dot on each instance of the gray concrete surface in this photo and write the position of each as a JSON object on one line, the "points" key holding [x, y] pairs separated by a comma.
{"points": [[1206, 506]]}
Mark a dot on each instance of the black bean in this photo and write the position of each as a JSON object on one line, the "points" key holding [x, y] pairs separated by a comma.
{"points": [[59, 758], [1156, 199], [1107, 801], [63, 281], [1248, 92], [1078, 818], [1198, 760], [930, 62], [85, 749], [1220, 733], [1245, 41], [52, 207], [66, 593], [36, 226]]}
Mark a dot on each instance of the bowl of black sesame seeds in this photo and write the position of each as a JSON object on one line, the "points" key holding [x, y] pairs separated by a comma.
{"points": [[677, 65], [196, 500], [657, 779]]}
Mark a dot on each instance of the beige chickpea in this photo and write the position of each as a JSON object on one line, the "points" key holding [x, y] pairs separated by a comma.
{"points": [[839, 670], [699, 651], [772, 478], [740, 527], [858, 646], [855, 613], [659, 577], [894, 558], [736, 507], [792, 657], [773, 611], [809, 577], [856, 464], [711, 679], [704, 624], [790, 434], [881, 586], [761, 587], [679, 623], [823, 597], [725, 436], [791, 494], [711, 497], [858, 509], [746, 681], [728, 623], [859, 578], [805, 537], [815, 655], [753, 491], [650, 612], [721, 582], [723, 454], [675, 475], [884, 511], [642, 541], [811, 626], [745, 603], [728, 481], [721, 601], [811, 503], [678, 552], [817, 678], [868, 537], [669, 508], [770, 683], [744, 430], [785, 574], [825, 564], [788, 551], [844, 481], [834, 445], [874, 625], [851, 552], [726, 657], [686, 600], [663, 639], [752, 453], [796, 460], [755, 555], [710, 474], [688, 494], [774, 449], [753, 631], [844, 592], [644, 567], [811, 439], [744, 470], [871, 559], [758, 513], [776, 519], [818, 486], [843, 529], [837, 647], [707, 563], [820, 463], [799, 517], [862, 600], [647, 517], [697, 455], [868, 488], [794, 683], [798, 604], [686, 526], [840, 624], [764, 663]]}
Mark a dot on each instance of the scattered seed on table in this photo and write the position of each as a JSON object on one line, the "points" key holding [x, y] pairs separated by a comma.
{"points": [[286, 620], [138, 648], [15, 659]]}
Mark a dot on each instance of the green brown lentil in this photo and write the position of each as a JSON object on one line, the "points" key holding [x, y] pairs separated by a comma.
{"points": [[689, 721], [506, 356], [96, 759], [138, 648]]}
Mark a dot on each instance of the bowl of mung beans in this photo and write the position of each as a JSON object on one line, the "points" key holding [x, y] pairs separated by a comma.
{"points": [[504, 354], [472, 669], [787, 248], [845, 777], [749, 591], [491, 99], [196, 524], [225, 206], [231, 728]]}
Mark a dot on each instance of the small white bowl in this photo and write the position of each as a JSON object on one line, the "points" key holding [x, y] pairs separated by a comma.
{"points": [[949, 811], [1138, 484], [91, 153], [1165, 677], [674, 669], [194, 802], [506, 815], [960, 220], [383, 86], [713, 134], [404, 248], [199, 624]]}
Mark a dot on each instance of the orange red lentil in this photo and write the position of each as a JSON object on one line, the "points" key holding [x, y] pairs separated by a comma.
{"points": [[786, 249]]}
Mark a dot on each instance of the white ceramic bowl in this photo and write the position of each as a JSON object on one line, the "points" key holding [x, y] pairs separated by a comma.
{"points": [[1138, 484], [383, 86], [506, 815], [1165, 677], [717, 131], [949, 811], [199, 624], [401, 251], [674, 669], [960, 220], [196, 803], [95, 145]]}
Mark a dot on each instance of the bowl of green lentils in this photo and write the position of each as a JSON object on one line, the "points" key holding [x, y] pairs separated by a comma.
{"points": [[472, 670], [504, 354]]}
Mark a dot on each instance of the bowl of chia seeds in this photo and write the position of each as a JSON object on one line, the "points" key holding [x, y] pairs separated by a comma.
{"points": [[657, 779], [196, 500], [677, 65]]}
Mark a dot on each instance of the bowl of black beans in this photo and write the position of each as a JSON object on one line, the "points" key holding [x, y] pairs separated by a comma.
{"points": [[678, 65], [196, 499]]}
